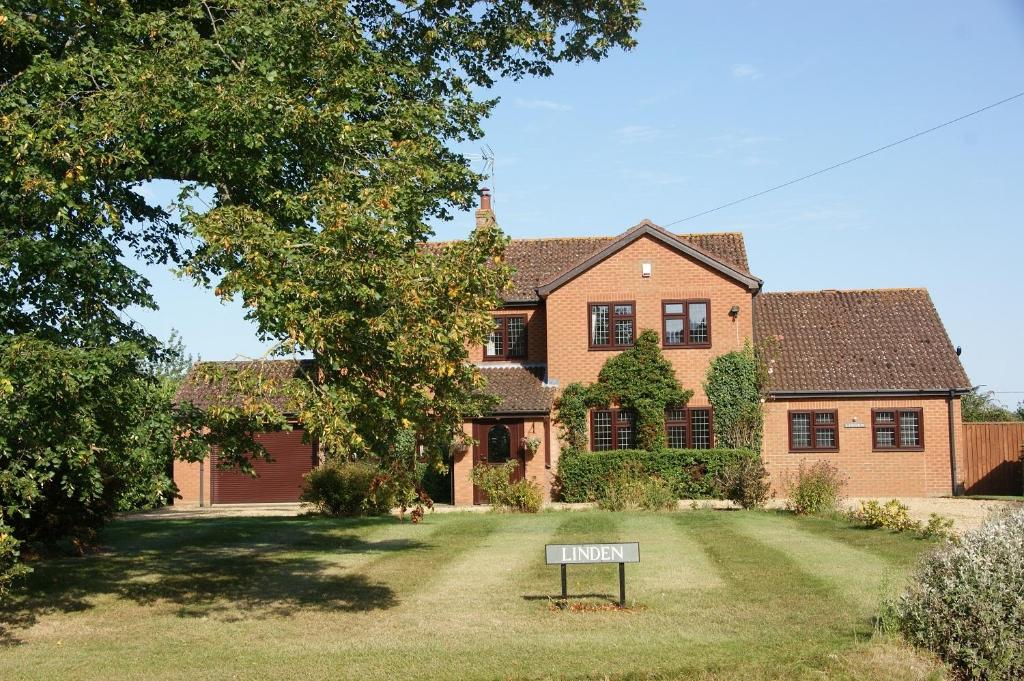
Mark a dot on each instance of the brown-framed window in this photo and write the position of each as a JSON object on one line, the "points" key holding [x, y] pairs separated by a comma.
{"points": [[814, 430], [507, 339], [897, 429], [689, 428], [612, 325], [686, 323], [612, 429]]}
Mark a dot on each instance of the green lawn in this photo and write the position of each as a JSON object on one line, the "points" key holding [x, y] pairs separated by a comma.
{"points": [[719, 594]]}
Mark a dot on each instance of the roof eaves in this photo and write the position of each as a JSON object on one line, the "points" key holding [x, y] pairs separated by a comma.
{"points": [[648, 228]]}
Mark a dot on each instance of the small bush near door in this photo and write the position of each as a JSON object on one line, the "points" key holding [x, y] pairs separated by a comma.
{"points": [[966, 601], [523, 496], [816, 489], [342, 488]]}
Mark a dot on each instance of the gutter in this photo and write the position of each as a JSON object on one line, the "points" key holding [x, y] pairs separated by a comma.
{"points": [[928, 392]]}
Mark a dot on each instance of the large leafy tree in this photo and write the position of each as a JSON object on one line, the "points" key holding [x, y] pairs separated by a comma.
{"points": [[313, 143]]}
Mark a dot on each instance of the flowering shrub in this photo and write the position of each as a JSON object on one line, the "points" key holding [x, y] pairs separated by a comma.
{"points": [[966, 601]]}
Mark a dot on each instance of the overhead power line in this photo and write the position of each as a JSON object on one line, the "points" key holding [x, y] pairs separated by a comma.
{"points": [[849, 160]]}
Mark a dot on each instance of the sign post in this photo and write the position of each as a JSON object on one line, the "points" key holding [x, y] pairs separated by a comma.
{"points": [[593, 554]]}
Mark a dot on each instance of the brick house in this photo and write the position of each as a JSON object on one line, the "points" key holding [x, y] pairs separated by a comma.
{"points": [[868, 380]]}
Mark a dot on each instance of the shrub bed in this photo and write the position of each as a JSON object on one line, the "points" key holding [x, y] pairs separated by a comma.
{"points": [[966, 601], [344, 488], [689, 473]]}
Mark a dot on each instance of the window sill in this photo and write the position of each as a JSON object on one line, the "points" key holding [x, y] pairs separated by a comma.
{"points": [[815, 450], [686, 346], [607, 348], [897, 450]]}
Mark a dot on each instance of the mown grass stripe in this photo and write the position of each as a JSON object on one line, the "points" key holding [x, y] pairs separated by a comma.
{"points": [[858, 576], [671, 560]]}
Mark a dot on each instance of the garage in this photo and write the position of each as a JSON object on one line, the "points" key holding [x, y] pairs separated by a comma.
{"points": [[279, 480]]}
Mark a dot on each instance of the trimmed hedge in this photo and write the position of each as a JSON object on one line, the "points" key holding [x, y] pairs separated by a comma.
{"points": [[690, 473]]}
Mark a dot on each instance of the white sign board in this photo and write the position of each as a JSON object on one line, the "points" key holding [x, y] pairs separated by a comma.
{"points": [[577, 554]]}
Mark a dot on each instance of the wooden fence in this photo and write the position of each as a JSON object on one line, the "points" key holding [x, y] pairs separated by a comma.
{"points": [[992, 458]]}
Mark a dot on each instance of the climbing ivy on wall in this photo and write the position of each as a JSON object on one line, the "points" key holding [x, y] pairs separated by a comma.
{"points": [[737, 386], [640, 379]]}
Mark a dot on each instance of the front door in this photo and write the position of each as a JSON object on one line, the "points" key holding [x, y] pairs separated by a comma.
{"points": [[497, 442]]}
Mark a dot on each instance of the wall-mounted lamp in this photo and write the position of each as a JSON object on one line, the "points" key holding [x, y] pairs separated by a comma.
{"points": [[734, 312]]}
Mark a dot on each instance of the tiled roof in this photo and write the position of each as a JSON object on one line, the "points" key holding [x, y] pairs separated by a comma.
{"points": [[204, 393], [874, 340], [520, 389], [538, 261]]}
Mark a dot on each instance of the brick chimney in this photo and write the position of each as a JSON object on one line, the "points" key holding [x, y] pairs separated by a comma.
{"points": [[484, 214]]}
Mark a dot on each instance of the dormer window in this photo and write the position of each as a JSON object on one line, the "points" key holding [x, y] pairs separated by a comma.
{"points": [[507, 339]]}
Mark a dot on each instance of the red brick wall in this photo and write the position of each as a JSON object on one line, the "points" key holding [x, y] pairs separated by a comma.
{"points": [[869, 473], [536, 335], [618, 278], [186, 477]]}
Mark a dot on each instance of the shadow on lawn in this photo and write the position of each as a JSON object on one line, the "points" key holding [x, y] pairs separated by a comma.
{"points": [[223, 570]]}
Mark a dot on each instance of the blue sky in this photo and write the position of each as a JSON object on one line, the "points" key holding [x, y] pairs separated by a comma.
{"points": [[720, 100]]}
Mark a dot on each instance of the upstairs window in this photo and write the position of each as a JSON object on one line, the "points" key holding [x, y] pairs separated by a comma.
{"points": [[897, 429], [507, 339], [813, 431], [689, 428], [612, 325], [612, 429], [686, 323]]}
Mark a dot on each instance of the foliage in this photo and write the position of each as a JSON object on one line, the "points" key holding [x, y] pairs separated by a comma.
{"points": [[523, 496], [733, 391], [571, 408], [312, 144], [642, 379], [632, 488], [79, 437], [737, 386], [689, 473], [983, 406], [894, 515], [344, 488], [532, 444], [937, 527], [435, 479], [966, 601], [745, 481], [816, 490], [639, 378]]}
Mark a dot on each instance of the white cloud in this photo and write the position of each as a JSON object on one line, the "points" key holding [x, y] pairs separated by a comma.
{"points": [[745, 71], [547, 104], [730, 142], [633, 134]]}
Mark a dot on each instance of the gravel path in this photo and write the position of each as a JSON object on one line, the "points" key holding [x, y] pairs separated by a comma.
{"points": [[965, 513]]}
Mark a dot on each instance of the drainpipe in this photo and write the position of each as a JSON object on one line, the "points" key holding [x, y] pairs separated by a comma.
{"points": [[952, 441], [201, 462]]}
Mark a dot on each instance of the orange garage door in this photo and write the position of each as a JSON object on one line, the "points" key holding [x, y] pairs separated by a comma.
{"points": [[280, 480]]}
